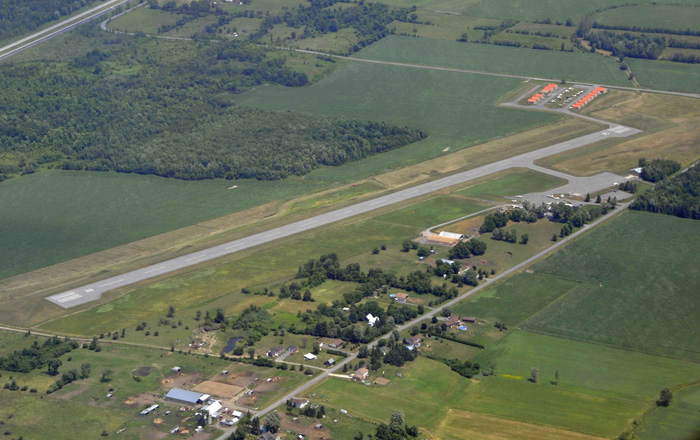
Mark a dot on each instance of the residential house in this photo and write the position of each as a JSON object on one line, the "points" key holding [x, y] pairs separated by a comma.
{"points": [[336, 343], [298, 403], [452, 321], [275, 351], [372, 320], [292, 349], [361, 374], [401, 297]]}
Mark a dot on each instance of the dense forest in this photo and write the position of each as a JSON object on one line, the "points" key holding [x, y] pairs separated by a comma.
{"points": [[678, 195], [171, 118], [657, 169], [18, 17]]}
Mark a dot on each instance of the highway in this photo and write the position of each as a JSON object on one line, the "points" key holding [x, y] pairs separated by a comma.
{"points": [[434, 312], [94, 291], [58, 28]]}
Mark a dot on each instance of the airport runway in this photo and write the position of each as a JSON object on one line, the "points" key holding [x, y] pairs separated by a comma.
{"points": [[94, 291]]}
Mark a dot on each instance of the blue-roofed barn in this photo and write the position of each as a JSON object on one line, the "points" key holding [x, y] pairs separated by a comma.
{"points": [[184, 396]]}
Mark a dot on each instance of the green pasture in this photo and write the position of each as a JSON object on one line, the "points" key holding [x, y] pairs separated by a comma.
{"points": [[34, 416], [328, 198], [513, 183], [434, 389], [555, 10], [11, 341], [455, 110], [588, 368], [53, 216], [497, 59], [518, 399], [654, 16], [666, 75], [332, 42], [515, 299], [679, 421], [434, 211], [638, 278], [143, 19], [220, 285]]}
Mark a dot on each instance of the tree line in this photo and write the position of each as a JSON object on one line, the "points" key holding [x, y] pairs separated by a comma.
{"points": [[628, 45], [37, 355], [678, 195]]}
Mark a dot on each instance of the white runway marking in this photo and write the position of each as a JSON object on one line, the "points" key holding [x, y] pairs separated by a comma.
{"points": [[196, 258], [70, 296], [234, 246], [112, 282], [309, 223], [89, 290], [376, 202], [272, 234], [155, 269]]}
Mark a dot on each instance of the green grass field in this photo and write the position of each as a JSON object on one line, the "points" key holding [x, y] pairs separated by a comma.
{"points": [[434, 390], [588, 368], [666, 75], [30, 416], [433, 211], [638, 276], [654, 16], [497, 59], [515, 299], [556, 10], [514, 182], [143, 19], [679, 421], [53, 216], [455, 110], [434, 5]]}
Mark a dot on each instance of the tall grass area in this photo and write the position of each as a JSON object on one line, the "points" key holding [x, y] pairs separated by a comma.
{"points": [[679, 421], [654, 16], [497, 59], [53, 216], [455, 110], [639, 278]]}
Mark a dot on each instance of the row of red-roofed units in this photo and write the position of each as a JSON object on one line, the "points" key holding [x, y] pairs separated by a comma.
{"points": [[588, 97], [537, 96]]}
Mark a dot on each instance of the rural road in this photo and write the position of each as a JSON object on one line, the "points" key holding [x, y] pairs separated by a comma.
{"points": [[435, 311], [58, 28], [94, 291]]}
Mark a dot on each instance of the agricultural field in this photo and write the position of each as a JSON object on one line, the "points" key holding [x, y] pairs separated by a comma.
{"points": [[677, 422], [432, 5], [497, 59], [589, 368], [462, 110], [442, 26], [511, 183], [516, 298], [88, 211], [555, 10], [612, 303], [652, 16], [436, 390], [665, 75]]}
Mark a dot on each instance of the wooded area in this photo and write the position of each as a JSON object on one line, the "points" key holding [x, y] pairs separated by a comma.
{"points": [[171, 118], [18, 17], [678, 195]]}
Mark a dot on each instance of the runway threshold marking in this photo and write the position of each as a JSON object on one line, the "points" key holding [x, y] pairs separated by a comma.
{"points": [[70, 296]]}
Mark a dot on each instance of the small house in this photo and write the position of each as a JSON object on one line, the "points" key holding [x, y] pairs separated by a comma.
{"points": [[401, 297], [413, 341], [361, 374], [636, 171], [336, 343], [275, 351], [452, 321], [298, 403], [309, 356], [292, 349], [372, 320], [330, 362], [469, 319]]}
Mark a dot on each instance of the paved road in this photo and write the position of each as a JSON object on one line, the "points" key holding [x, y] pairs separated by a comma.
{"points": [[94, 291], [434, 312], [58, 28]]}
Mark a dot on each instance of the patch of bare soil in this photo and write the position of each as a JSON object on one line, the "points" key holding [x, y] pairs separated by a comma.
{"points": [[144, 399], [306, 426], [180, 380]]}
